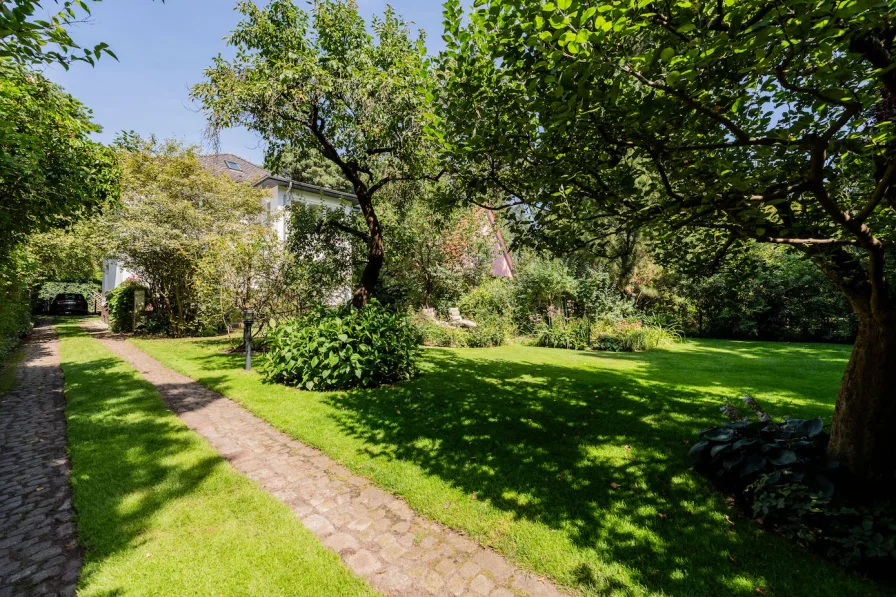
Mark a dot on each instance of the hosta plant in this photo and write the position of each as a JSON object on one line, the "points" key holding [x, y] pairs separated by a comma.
{"points": [[780, 474], [742, 450], [333, 349]]}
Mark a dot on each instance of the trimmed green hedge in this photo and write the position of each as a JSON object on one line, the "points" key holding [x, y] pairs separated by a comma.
{"points": [[15, 314]]}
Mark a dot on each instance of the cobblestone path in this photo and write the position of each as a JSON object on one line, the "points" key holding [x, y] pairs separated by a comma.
{"points": [[377, 535], [39, 553]]}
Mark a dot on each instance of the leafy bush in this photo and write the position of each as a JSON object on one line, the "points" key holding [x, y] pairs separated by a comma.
{"points": [[580, 333], [780, 474], [120, 302], [15, 313], [485, 335], [634, 336], [432, 334], [482, 336], [342, 348], [561, 332], [492, 300]]}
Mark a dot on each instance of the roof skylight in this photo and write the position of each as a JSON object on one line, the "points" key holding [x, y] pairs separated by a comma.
{"points": [[233, 165]]}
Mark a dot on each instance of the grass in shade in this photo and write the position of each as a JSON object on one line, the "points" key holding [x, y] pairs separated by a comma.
{"points": [[160, 513], [573, 464]]}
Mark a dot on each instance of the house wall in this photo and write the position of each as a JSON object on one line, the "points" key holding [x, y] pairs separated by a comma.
{"points": [[113, 274]]}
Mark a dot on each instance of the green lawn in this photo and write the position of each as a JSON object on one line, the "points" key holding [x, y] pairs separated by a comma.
{"points": [[160, 513], [523, 448]]}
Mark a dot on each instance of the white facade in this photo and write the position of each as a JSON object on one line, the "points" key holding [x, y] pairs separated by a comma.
{"points": [[282, 196], [114, 274], [283, 192]]}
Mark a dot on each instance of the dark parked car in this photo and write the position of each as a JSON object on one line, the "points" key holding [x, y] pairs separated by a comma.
{"points": [[69, 304]]}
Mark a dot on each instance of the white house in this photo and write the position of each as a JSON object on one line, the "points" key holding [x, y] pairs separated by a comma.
{"points": [[282, 191]]}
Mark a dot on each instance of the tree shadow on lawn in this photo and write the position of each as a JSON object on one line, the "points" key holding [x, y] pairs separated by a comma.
{"points": [[549, 443], [128, 459]]}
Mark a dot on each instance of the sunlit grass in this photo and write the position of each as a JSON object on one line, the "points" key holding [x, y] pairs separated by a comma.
{"points": [[160, 513], [573, 464]]}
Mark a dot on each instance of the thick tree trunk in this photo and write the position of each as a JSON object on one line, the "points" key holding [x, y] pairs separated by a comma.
{"points": [[375, 253], [863, 433]]}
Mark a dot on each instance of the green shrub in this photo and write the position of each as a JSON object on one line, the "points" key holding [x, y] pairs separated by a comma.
{"points": [[580, 333], [485, 335], [120, 302], [633, 336], [494, 299], [561, 332], [482, 336], [779, 473], [342, 348], [432, 334], [15, 314]]}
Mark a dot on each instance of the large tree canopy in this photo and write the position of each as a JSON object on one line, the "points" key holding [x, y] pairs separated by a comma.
{"points": [[175, 213], [51, 173], [320, 82], [720, 122]]}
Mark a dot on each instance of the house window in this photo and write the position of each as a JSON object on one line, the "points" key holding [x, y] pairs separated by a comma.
{"points": [[233, 165]]}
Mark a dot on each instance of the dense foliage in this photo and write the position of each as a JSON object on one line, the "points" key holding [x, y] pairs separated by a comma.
{"points": [[308, 166], [16, 276], [716, 123], [768, 294], [780, 473], [120, 303], [250, 268], [581, 333], [342, 348], [35, 39], [320, 82], [51, 173], [443, 334], [174, 214], [437, 254]]}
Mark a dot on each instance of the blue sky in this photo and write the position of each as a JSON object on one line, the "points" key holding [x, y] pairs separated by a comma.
{"points": [[162, 51]]}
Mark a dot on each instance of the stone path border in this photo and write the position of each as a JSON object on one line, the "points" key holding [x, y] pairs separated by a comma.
{"points": [[377, 535], [39, 553]]}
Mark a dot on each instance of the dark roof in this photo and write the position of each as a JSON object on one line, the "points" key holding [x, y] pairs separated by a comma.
{"points": [[252, 174], [248, 171]]}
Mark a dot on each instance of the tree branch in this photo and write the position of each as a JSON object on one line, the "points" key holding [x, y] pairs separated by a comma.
{"points": [[780, 75], [882, 186], [783, 240], [816, 185], [750, 142], [348, 230], [738, 132]]}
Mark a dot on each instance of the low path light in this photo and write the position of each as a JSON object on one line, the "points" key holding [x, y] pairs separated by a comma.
{"points": [[248, 318]]}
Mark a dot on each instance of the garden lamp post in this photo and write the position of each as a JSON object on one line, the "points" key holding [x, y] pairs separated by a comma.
{"points": [[248, 318]]}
